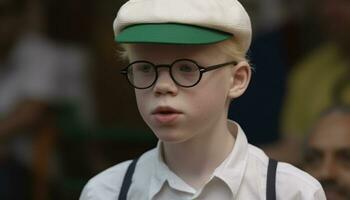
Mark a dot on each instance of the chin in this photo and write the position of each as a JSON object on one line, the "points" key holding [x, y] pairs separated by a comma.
{"points": [[170, 135]]}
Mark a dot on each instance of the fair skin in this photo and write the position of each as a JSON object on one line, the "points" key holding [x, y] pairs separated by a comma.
{"points": [[198, 130], [328, 155]]}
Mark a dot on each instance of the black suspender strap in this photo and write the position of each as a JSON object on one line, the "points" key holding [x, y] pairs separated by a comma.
{"points": [[127, 180], [271, 180]]}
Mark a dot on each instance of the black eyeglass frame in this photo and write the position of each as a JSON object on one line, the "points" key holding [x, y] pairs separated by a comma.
{"points": [[201, 70]]}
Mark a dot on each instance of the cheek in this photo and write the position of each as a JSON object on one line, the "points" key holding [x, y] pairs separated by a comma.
{"points": [[210, 97], [345, 176], [312, 171], [142, 103]]}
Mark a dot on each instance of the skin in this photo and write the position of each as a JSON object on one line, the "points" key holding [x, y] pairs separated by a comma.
{"points": [[328, 155], [200, 131]]}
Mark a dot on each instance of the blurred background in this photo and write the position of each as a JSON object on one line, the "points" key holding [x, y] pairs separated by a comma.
{"points": [[66, 113]]}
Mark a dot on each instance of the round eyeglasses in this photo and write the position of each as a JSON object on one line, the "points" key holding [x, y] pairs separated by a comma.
{"points": [[184, 72]]}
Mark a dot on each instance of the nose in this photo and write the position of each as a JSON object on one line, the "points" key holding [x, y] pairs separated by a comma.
{"points": [[328, 170], [164, 83]]}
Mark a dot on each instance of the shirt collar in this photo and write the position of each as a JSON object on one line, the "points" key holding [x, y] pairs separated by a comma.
{"points": [[163, 174], [230, 171], [159, 173]]}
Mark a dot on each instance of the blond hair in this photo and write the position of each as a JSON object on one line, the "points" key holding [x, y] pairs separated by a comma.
{"points": [[233, 50]]}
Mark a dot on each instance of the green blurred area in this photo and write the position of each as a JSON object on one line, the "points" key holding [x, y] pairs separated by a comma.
{"points": [[83, 152]]}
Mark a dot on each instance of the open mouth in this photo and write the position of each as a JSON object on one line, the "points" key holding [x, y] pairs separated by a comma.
{"points": [[165, 114], [165, 111]]}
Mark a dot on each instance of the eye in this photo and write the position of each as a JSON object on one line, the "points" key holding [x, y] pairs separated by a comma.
{"points": [[313, 158], [344, 157], [186, 68], [144, 68]]}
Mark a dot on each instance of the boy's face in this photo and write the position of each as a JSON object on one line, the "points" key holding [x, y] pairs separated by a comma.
{"points": [[174, 113]]}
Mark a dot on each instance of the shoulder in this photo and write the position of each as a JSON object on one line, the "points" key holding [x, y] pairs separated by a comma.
{"points": [[291, 182], [106, 185]]}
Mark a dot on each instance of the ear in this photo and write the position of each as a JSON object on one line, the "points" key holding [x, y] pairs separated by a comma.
{"points": [[240, 79]]}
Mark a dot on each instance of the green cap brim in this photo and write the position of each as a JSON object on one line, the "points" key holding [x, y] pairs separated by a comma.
{"points": [[170, 33]]}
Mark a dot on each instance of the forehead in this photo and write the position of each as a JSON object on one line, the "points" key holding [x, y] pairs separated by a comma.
{"points": [[332, 132], [161, 53]]}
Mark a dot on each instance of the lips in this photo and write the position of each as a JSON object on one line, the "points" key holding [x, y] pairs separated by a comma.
{"points": [[165, 114], [165, 110]]}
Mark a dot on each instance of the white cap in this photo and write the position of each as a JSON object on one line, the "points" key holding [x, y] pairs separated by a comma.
{"points": [[182, 22]]}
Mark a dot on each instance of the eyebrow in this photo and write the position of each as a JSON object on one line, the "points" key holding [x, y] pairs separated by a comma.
{"points": [[345, 151], [311, 151], [315, 150]]}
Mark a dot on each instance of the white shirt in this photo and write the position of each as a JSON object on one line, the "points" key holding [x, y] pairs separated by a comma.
{"points": [[242, 175]]}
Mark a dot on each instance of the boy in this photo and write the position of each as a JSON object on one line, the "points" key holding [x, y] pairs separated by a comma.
{"points": [[187, 62]]}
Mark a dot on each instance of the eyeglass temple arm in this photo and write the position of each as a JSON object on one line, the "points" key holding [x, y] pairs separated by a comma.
{"points": [[124, 71], [213, 67]]}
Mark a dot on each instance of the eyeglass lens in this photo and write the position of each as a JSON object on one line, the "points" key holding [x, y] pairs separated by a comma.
{"points": [[143, 74]]}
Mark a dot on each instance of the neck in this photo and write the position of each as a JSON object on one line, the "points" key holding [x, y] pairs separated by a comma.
{"points": [[196, 159]]}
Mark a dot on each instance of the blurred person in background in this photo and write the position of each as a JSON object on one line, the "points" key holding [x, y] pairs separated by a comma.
{"points": [[35, 74], [318, 81], [16, 114], [327, 152]]}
